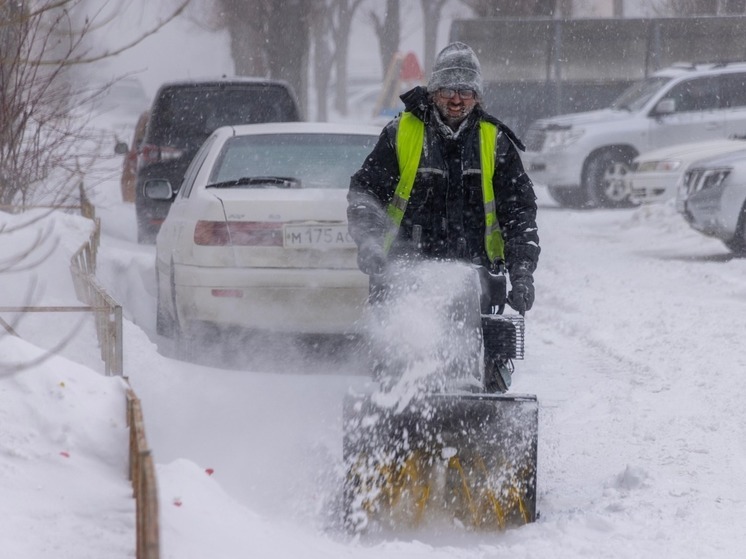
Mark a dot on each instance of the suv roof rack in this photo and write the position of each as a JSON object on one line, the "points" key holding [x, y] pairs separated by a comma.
{"points": [[716, 63], [724, 63], [685, 65]]}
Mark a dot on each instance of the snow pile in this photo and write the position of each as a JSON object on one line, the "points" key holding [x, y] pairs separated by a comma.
{"points": [[63, 460], [633, 349]]}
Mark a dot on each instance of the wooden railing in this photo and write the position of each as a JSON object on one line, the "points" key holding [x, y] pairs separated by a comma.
{"points": [[108, 317], [107, 312], [142, 475], [109, 332]]}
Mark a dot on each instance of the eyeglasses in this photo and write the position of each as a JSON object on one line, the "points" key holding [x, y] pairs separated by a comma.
{"points": [[448, 93]]}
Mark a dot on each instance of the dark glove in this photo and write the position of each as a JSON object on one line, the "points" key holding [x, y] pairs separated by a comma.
{"points": [[521, 296], [370, 259]]}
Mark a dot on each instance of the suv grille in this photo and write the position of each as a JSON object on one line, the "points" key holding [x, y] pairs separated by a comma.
{"points": [[535, 139], [692, 179], [697, 180]]}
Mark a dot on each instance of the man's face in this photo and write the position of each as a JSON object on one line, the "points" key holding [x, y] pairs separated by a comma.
{"points": [[454, 104]]}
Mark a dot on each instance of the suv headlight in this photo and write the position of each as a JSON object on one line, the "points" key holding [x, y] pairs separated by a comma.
{"points": [[559, 137], [663, 165], [712, 178]]}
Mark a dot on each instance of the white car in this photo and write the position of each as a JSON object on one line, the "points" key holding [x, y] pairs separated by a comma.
{"points": [[712, 198], [257, 234], [584, 158], [656, 174]]}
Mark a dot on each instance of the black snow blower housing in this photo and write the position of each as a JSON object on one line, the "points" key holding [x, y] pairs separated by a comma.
{"points": [[453, 453]]}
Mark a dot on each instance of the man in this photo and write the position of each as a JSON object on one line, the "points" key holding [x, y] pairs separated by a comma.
{"points": [[421, 191]]}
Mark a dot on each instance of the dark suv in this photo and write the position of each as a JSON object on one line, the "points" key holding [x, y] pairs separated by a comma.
{"points": [[183, 116]]}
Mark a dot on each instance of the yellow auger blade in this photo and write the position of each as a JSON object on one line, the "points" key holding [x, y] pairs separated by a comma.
{"points": [[470, 458]]}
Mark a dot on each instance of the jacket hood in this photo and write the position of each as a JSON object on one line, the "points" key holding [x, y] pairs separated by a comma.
{"points": [[417, 102]]}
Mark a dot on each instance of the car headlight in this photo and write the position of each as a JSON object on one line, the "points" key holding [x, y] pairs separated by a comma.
{"points": [[661, 166], [558, 138], [712, 178]]}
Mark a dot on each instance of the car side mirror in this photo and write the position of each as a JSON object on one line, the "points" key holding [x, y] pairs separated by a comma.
{"points": [[120, 148], [665, 107], [158, 189]]}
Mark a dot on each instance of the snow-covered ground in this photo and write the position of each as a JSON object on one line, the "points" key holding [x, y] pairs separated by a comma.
{"points": [[633, 348]]}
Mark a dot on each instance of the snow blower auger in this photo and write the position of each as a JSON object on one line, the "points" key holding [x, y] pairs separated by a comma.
{"points": [[434, 447]]}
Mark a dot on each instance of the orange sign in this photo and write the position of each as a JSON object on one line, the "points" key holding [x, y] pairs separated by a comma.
{"points": [[411, 71]]}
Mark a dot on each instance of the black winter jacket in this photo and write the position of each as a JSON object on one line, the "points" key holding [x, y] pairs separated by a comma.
{"points": [[446, 200]]}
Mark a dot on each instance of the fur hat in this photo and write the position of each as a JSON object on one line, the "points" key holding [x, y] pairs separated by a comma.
{"points": [[457, 67]]}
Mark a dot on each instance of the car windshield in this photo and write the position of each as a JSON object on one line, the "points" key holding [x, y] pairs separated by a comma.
{"points": [[185, 116], [635, 97], [314, 160]]}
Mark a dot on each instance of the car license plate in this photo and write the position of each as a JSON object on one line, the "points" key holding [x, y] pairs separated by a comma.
{"points": [[317, 236]]}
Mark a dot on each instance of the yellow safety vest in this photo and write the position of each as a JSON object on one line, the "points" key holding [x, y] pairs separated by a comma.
{"points": [[409, 139]]}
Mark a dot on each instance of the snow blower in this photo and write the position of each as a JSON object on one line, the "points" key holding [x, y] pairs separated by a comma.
{"points": [[434, 445]]}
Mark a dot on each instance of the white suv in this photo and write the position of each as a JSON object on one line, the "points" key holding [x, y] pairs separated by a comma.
{"points": [[583, 158], [712, 198]]}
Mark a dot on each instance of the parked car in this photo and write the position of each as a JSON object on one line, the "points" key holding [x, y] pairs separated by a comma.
{"points": [[655, 175], [257, 236], [183, 115], [129, 165], [584, 158], [712, 198]]}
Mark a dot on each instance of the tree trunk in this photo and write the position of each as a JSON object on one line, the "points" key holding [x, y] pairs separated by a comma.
{"points": [[388, 31], [431, 17], [246, 23], [287, 46], [345, 12], [320, 19], [270, 39]]}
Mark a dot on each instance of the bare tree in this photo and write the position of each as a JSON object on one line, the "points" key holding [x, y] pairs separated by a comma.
{"points": [[342, 12], [248, 30], [388, 30], [269, 38], [43, 129], [321, 24], [287, 48], [431, 10], [36, 130], [45, 142]]}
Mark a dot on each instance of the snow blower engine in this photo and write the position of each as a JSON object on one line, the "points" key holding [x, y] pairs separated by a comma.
{"points": [[435, 444]]}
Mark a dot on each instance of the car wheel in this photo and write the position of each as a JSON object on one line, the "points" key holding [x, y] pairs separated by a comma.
{"points": [[185, 343], [145, 236], [737, 245], [199, 342], [606, 179], [569, 197], [164, 320]]}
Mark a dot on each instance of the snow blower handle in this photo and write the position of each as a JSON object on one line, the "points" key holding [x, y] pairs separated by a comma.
{"points": [[494, 290], [378, 283]]}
